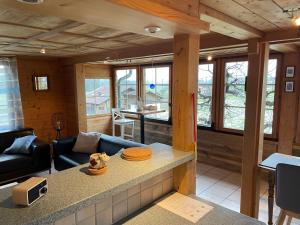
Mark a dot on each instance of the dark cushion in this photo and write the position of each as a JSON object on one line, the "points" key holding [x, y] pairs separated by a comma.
{"points": [[111, 145], [10, 163], [21, 145], [8, 137], [74, 158]]}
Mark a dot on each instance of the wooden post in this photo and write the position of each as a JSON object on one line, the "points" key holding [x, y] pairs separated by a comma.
{"points": [[254, 126], [80, 98], [185, 71]]}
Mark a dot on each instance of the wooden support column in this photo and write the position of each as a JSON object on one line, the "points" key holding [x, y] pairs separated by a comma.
{"points": [[184, 80], [254, 126], [80, 98]]}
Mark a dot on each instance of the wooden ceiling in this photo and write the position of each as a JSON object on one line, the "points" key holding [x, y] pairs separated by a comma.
{"points": [[264, 15], [24, 33]]}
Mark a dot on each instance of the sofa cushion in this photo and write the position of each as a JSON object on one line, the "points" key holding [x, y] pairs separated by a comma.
{"points": [[21, 145], [8, 137], [10, 163], [111, 145], [87, 142], [74, 158]]}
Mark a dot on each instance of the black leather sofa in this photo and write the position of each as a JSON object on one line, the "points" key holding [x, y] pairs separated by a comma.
{"points": [[65, 158], [14, 167]]}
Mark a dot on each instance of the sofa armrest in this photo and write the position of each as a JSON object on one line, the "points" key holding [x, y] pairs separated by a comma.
{"points": [[63, 145], [41, 153]]}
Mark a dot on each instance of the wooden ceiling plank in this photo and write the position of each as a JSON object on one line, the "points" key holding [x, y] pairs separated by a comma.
{"points": [[108, 14], [26, 26], [267, 10], [226, 25], [46, 34]]}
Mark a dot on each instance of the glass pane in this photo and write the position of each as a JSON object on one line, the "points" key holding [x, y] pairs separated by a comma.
{"points": [[234, 94], [126, 88], [270, 96], [156, 90], [97, 96], [205, 89]]}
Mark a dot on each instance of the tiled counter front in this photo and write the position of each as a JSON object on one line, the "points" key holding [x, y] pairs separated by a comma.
{"points": [[120, 205]]}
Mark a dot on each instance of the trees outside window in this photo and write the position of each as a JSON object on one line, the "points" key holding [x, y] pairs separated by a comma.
{"points": [[235, 95], [98, 99], [126, 88], [205, 94]]}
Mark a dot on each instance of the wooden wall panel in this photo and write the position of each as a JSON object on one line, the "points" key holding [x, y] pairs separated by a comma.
{"points": [[288, 110], [38, 107]]}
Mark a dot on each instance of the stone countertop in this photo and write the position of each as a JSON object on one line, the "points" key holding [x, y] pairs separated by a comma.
{"points": [[71, 190], [156, 215]]}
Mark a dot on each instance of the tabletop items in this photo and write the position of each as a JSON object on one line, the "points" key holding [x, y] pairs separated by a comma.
{"points": [[98, 163], [136, 154]]}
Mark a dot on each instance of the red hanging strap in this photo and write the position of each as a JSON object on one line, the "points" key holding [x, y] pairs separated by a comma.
{"points": [[194, 117]]}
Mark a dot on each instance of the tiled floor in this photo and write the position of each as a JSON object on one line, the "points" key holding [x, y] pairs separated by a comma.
{"points": [[223, 187]]}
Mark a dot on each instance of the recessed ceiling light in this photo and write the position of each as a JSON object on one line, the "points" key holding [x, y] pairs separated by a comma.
{"points": [[33, 2], [152, 29], [43, 51], [209, 58], [1, 66], [296, 20]]}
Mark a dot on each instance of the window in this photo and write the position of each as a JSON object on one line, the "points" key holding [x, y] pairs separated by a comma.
{"points": [[11, 114], [205, 94], [97, 92], [235, 95], [126, 88], [270, 96], [156, 90]]}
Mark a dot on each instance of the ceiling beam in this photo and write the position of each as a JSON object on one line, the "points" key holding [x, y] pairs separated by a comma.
{"points": [[117, 15], [283, 36], [226, 25], [209, 42], [285, 48]]}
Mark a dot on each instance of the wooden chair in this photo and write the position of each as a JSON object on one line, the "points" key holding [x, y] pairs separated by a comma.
{"points": [[119, 119], [288, 192]]}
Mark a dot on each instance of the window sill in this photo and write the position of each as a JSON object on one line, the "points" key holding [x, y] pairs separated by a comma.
{"points": [[99, 115]]}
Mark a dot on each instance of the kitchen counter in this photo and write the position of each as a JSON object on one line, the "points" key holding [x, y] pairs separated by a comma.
{"points": [[155, 215], [73, 190]]}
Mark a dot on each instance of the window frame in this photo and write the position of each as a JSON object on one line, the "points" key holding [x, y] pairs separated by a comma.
{"points": [[111, 95], [115, 69], [141, 84], [214, 94], [220, 119]]}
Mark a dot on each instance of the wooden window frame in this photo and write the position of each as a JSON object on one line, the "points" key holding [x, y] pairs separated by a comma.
{"points": [[137, 68], [156, 65], [220, 102], [214, 95]]}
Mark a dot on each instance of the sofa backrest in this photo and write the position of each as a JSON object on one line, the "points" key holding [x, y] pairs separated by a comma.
{"points": [[111, 145], [8, 137]]}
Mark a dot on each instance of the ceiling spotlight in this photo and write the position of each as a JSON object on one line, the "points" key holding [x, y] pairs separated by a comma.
{"points": [[209, 58], [1, 66], [43, 51], [296, 20], [32, 2], [152, 29]]}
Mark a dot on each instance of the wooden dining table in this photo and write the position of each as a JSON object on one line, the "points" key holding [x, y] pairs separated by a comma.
{"points": [[270, 164], [142, 115]]}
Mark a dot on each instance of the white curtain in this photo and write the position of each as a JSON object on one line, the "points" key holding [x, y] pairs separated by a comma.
{"points": [[11, 114]]}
